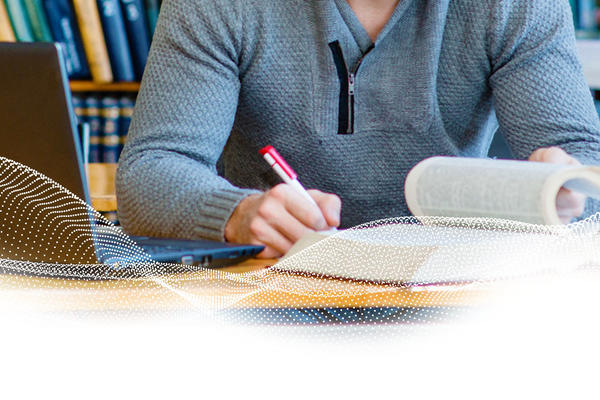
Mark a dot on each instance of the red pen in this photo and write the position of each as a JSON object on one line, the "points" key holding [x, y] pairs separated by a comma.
{"points": [[285, 171]]}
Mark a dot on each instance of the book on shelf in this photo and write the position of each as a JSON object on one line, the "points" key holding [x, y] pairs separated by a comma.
{"points": [[108, 118], [6, 31], [39, 22], [91, 114], [93, 40], [137, 33], [64, 29], [109, 115], [116, 40], [586, 16], [105, 40], [152, 9], [20, 20], [126, 104]]}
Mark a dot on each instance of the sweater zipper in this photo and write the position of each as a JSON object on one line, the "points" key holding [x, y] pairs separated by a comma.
{"points": [[347, 88], [351, 83]]}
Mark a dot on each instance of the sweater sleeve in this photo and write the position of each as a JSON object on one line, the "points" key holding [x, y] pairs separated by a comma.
{"points": [[167, 181], [540, 93]]}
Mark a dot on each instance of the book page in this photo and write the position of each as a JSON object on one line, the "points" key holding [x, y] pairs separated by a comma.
{"points": [[451, 250], [470, 187]]}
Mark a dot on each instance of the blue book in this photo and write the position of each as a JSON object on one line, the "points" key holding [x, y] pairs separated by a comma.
{"points": [[78, 107], [137, 33], [587, 15], [65, 31], [126, 104], [152, 9], [116, 40], [575, 11], [91, 115], [19, 18], [109, 114]]}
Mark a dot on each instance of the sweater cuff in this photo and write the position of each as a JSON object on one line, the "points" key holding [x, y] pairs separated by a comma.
{"points": [[216, 210]]}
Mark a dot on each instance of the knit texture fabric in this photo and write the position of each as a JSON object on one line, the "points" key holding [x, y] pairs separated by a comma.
{"points": [[228, 77]]}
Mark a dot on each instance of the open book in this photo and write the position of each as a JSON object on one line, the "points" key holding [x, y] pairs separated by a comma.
{"points": [[516, 190], [507, 196], [457, 251]]}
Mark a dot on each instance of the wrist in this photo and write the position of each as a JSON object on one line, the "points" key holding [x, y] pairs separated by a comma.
{"points": [[236, 219]]}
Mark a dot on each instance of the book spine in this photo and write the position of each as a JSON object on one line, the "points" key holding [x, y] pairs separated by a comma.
{"points": [[126, 104], [64, 30], [93, 40], [20, 22], [137, 33], [152, 9], [91, 112], [39, 22], [116, 40], [6, 31], [575, 12], [109, 113], [587, 15], [79, 109]]}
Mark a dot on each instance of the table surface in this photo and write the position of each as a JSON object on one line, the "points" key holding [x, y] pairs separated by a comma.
{"points": [[252, 284]]}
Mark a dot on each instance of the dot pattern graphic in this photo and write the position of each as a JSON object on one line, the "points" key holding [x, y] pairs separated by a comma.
{"points": [[395, 272]]}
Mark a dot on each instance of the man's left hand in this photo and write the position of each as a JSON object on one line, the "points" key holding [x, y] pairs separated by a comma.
{"points": [[569, 204]]}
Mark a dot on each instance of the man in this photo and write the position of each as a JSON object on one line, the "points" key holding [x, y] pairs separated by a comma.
{"points": [[353, 93]]}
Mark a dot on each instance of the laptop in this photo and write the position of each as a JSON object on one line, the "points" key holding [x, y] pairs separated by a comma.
{"points": [[38, 128]]}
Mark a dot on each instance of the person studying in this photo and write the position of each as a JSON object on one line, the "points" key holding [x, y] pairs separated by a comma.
{"points": [[353, 94]]}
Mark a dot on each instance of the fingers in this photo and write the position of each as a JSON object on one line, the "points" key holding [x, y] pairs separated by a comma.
{"points": [[280, 217], [553, 155], [273, 211], [569, 205], [330, 205], [298, 207], [264, 234]]}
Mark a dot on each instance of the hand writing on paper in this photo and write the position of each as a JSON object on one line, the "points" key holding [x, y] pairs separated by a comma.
{"points": [[278, 218], [568, 203]]}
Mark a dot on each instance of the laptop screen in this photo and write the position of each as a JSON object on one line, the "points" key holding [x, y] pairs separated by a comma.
{"points": [[38, 126]]}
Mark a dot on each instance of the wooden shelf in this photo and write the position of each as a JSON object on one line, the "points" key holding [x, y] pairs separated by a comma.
{"points": [[89, 86]]}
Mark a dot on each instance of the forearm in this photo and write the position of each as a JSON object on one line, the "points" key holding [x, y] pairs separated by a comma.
{"points": [[541, 97], [167, 183], [166, 194]]}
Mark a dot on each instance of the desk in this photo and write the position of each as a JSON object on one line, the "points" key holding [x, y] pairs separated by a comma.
{"points": [[248, 286]]}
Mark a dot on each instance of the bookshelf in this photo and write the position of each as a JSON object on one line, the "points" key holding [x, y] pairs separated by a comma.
{"points": [[101, 176]]}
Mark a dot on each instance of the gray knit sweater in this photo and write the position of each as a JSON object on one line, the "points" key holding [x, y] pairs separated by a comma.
{"points": [[227, 77]]}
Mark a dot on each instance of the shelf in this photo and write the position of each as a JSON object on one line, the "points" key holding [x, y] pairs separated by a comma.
{"points": [[89, 86], [589, 54]]}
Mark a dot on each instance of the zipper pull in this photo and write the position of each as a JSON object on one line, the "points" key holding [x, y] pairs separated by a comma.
{"points": [[351, 84]]}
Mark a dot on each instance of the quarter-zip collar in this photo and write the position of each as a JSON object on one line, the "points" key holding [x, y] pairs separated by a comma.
{"points": [[358, 31]]}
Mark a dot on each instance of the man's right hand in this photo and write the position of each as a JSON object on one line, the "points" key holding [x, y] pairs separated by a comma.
{"points": [[278, 218]]}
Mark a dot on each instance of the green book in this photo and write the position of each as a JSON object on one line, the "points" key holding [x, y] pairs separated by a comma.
{"points": [[20, 21], [39, 22], [574, 10]]}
